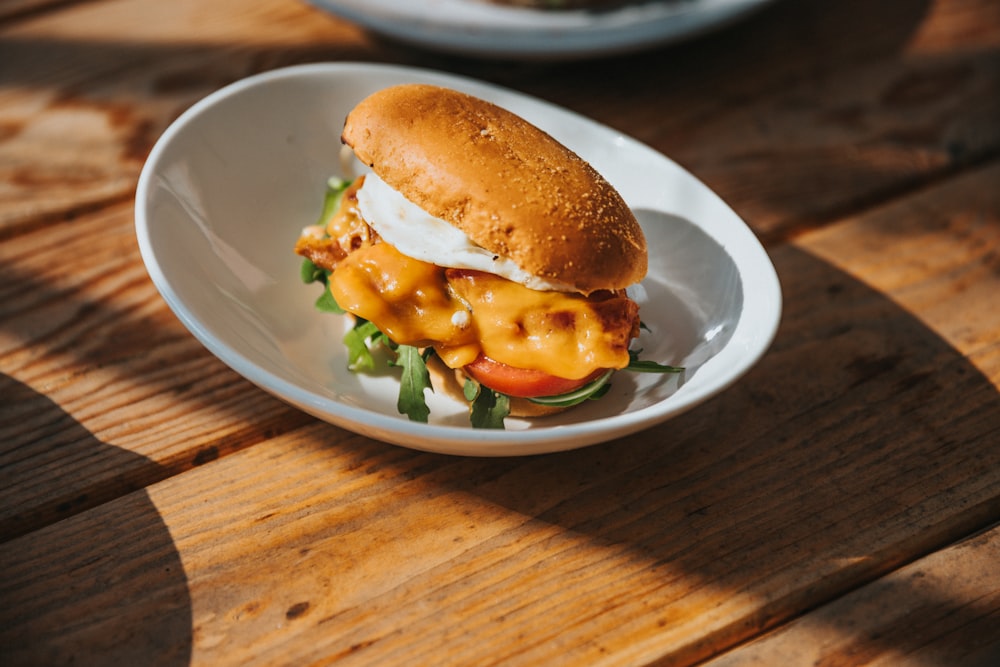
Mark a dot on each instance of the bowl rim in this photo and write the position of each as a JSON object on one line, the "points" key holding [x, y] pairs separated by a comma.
{"points": [[447, 438]]}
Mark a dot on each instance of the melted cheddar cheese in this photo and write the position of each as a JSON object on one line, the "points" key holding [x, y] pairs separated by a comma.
{"points": [[463, 313], [406, 298]]}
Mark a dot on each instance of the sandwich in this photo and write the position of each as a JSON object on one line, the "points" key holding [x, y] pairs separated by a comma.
{"points": [[480, 251]]}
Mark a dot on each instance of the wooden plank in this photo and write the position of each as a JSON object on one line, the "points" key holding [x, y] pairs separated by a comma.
{"points": [[808, 111], [941, 610], [935, 254], [878, 105], [847, 141], [85, 91], [104, 391], [864, 440], [12, 10], [792, 131]]}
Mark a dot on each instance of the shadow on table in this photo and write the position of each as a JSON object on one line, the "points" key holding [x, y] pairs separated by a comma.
{"points": [[860, 442], [109, 591], [855, 445]]}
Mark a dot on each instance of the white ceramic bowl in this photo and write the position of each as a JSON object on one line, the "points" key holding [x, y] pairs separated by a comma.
{"points": [[228, 187]]}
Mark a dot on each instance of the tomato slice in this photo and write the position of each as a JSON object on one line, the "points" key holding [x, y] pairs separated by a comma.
{"points": [[522, 382]]}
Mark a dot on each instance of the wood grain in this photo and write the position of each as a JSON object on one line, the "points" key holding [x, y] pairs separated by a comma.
{"points": [[940, 610], [863, 441], [809, 111], [93, 363], [839, 122], [937, 254], [155, 508], [12, 10], [91, 87]]}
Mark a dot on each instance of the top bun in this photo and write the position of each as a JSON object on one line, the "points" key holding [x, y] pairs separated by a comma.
{"points": [[512, 188]]}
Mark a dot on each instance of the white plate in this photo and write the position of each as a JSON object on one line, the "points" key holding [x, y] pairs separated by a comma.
{"points": [[482, 29], [230, 184]]}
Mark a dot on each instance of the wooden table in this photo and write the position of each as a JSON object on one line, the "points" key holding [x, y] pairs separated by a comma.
{"points": [[838, 506]]}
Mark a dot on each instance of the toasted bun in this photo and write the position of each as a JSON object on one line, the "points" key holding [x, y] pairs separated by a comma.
{"points": [[450, 382], [508, 185]]}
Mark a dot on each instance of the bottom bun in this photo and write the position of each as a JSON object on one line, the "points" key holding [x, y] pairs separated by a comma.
{"points": [[451, 382]]}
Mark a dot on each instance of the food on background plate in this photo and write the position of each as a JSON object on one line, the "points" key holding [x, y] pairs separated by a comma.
{"points": [[478, 250]]}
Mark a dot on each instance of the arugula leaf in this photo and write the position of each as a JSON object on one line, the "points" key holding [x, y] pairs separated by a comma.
{"points": [[360, 341], [642, 366], [599, 387], [489, 408], [470, 389], [639, 366], [310, 273], [414, 380], [591, 390], [359, 355], [379, 338], [335, 188], [327, 304]]}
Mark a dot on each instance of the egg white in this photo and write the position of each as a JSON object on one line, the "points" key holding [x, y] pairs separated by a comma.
{"points": [[418, 234]]}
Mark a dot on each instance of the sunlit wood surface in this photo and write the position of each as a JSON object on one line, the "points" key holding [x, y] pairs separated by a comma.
{"points": [[837, 506]]}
